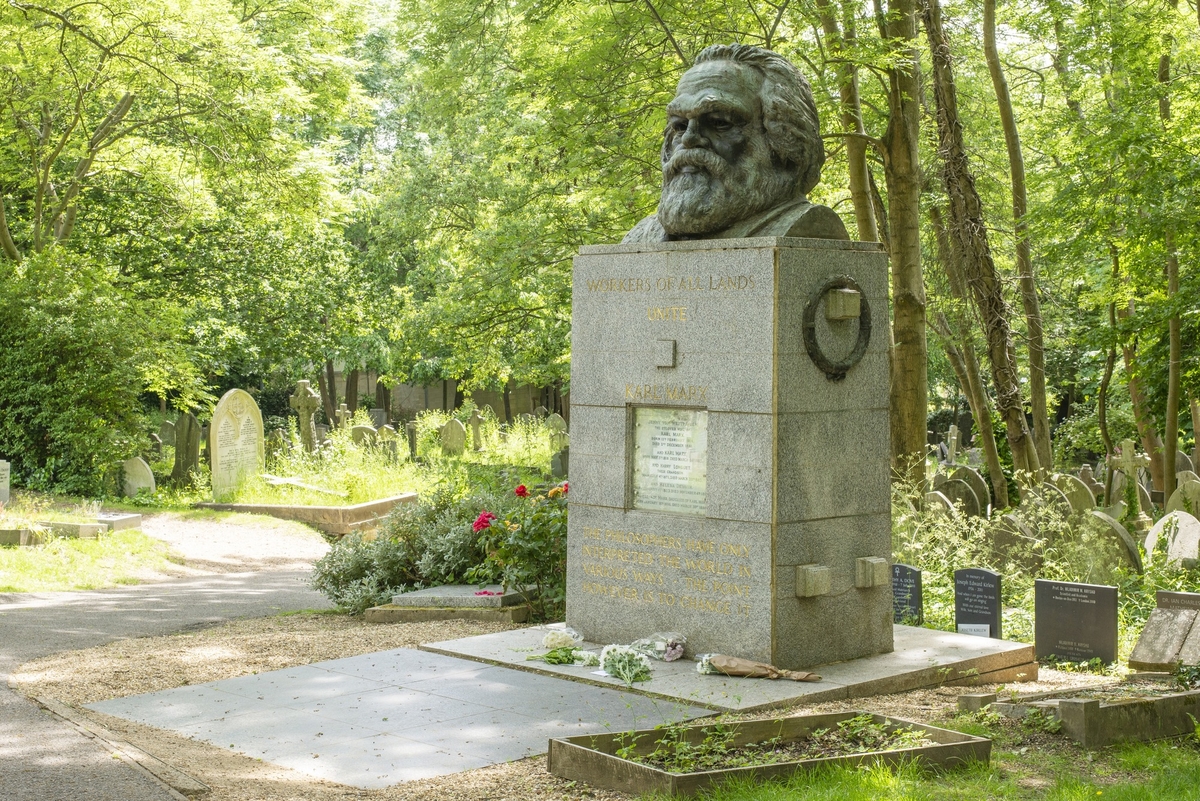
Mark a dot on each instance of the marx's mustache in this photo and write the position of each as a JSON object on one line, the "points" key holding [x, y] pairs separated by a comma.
{"points": [[699, 158]]}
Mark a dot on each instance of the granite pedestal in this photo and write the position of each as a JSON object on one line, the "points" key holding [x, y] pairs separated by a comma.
{"points": [[730, 444]]}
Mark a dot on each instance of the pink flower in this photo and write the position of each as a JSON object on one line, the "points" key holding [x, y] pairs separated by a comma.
{"points": [[483, 521], [488, 592], [521, 492]]}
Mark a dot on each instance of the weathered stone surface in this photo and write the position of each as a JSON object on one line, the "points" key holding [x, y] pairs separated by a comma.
{"points": [[454, 437], [460, 596], [83, 531], [137, 477], [119, 521], [1186, 498], [166, 432], [305, 400], [936, 501], [1078, 493], [338, 520], [1161, 640], [390, 613], [727, 577], [973, 477], [1179, 524], [236, 446], [962, 496], [1121, 537], [378, 417], [476, 434], [364, 435], [187, 448], [5, 479]]}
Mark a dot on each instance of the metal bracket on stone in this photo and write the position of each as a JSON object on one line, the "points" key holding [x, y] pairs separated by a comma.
{"points": [[836, 371]]}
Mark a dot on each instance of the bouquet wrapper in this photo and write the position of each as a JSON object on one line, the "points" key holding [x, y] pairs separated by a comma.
{"points": [[736, 666]]}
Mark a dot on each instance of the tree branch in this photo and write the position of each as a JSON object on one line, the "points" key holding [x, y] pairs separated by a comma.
{"points": [[667, 31], [6, 240]]}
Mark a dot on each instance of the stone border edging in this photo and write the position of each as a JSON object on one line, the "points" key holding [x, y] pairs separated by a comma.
{"points": [[338, 520]]}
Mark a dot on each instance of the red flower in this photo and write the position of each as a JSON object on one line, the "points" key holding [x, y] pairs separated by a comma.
{"points": [[521, 492], [566, 487], [483, 521]]}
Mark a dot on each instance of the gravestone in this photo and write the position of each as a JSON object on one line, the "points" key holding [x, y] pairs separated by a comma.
{"points": [[1075, 622], [1078, 493], [1182, 547], [1129, 462], [936, 501], [322, 433], [560, 463], [1089, 480], [1120, 536], [476, 436], [952, 446], [410, 429], [1186, 498], [1186, 475], [454, 437], [540, 412], [1013, 539], [1170, 636], [978, 484], [5, 479], [236, 445], [977, 606], [187, 448], [305, 401], [156, 444], [908, 599], [204, 442], [959, 493], [364, 435], [166, 432], [1182, 460], [378, 417], [342, 415], [275, 445], [694, 507], [136, 476], [559, 438], [1051, 494]]}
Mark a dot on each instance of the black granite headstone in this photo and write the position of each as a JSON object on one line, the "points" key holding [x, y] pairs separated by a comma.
{"points": [[1075, 622], [1177, 600], [908, 604], [977, 602]]}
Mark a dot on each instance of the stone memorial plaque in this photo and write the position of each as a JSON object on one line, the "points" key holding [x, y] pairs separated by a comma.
{"points": [[5, 478], [236, 444], [1075, 622], [908, 605], [670, 453], [977, 603], [1177, 600]]}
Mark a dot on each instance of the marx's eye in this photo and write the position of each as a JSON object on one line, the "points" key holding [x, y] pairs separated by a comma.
{"points": [[679, 126]]}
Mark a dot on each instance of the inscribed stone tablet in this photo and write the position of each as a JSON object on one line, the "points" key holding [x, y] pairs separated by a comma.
{"points": [[1161, 639], [908, 605], [1075, 622], [236, 444], [1177, 600], [5, 477], [670, 454], [977, 602]]}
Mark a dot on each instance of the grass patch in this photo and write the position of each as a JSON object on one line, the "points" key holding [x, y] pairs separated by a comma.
{"points": [[123, 557]]}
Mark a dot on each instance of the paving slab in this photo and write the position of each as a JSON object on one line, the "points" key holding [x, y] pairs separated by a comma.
{"points": [[379, 719], [922, 658]]}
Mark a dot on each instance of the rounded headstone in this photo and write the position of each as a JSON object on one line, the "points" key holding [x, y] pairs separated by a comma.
{"points": [[1186, 475], [978, 484], [1013, 539], [1178, 524], [236, 445], [960, 494], [1052, 494], [166, 432], [454, 436], [937, 502], [363, 434], [137, 477], [1078, 494], [1128, 548], [1186, 498]]}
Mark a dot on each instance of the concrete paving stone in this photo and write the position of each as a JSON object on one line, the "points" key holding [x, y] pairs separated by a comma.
{"points": [[403, 666], [280, 733], [391, 707], [381, 761], [180, 706], [296, 685]]}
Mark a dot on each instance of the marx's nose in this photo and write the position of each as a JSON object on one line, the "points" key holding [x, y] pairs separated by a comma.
{"points": [[692, 137]]}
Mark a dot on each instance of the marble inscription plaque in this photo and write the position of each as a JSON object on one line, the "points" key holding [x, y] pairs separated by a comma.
{"points": [[670, 454]]}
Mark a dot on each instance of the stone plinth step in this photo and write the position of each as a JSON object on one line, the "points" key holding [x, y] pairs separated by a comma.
{"points": [[119, 521], [390, 613]]}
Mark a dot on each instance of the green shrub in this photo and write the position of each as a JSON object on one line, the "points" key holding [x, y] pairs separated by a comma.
{"points": [[359, 573]]}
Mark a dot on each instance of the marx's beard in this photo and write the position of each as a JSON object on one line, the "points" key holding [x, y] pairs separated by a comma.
{"points": [[703, 193]]}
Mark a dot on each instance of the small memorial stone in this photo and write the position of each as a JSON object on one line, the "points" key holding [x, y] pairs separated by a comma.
{"points": [[1089, 480], [1184, 540], [977, 609], [1078, 493], [1186, 498], [962, 496], [908, 603], [364, 435], [5, 478], [454, 437], [973, 477], [137, 477], [166, 432], [476, 436], [1121, 538], [236, 445], [560, 463], [187, 448], [410, 430], [378, 417], [558, 428], [1075, 622]]}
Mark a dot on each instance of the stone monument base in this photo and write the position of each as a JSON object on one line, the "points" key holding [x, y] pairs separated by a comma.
{"points": [[922, 658]]}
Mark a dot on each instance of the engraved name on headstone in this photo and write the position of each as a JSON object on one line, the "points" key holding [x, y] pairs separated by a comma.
{"points": [[908, 604], [1177, 600], [670, 452], [1075, 622], [977, 602]]}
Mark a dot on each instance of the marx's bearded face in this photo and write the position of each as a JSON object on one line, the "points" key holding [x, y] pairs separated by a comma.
{"points": [[718, 167]]}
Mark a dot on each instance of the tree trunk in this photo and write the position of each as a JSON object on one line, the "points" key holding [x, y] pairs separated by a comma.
{"points": [[383, 399], [851, 115], [327, 381], [1147, 426], [967, 366], [969, 235], [1029, 295], [1171, 429], [507, 403], [1195, 404], [352, 390], [1110, 360], [909, 356]]}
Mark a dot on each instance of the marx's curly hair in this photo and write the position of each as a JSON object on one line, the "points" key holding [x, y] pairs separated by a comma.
{"points": [[789, 112]]}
